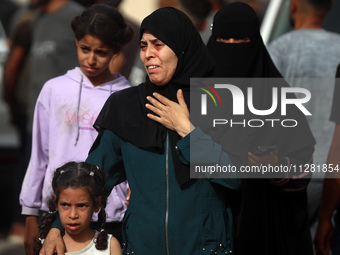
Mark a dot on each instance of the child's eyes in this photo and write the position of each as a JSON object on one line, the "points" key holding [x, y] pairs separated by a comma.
{"points": [[84, 49], [65, 205], [100, 52]]}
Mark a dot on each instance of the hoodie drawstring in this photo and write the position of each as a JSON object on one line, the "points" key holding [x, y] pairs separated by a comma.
{"points": [[78, 106]]}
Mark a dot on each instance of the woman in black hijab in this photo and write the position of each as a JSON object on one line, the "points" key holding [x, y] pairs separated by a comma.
{"points": [[146, 137], [271, 213]]}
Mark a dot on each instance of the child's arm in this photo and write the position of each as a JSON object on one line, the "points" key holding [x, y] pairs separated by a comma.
{"points": [[115, 248]]}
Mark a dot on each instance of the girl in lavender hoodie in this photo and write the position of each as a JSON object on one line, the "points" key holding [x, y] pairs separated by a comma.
{"points": [[66, 110]]}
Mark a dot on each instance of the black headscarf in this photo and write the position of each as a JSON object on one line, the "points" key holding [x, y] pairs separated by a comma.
{"points": [[269, 221], [125, 113]]}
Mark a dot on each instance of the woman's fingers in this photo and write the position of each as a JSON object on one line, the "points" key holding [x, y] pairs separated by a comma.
{"points": [[162, 99], [180, 98]]}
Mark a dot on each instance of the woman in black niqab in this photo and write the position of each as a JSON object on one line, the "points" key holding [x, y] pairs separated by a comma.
{"points": [[271, 213]]}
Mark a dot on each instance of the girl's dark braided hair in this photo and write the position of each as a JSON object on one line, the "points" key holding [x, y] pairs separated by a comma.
{"points": [[77, 175]]}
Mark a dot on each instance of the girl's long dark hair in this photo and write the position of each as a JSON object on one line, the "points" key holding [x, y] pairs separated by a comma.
{"points": [[77, 175]]}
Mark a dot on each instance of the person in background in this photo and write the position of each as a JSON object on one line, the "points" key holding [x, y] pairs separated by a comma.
{"points": [[197, 11], [7, 11], [216, 5], [78, 193], [16, 89], [53, 49], [327, 237], [66, 109], [300, 57], [279, 224]]}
